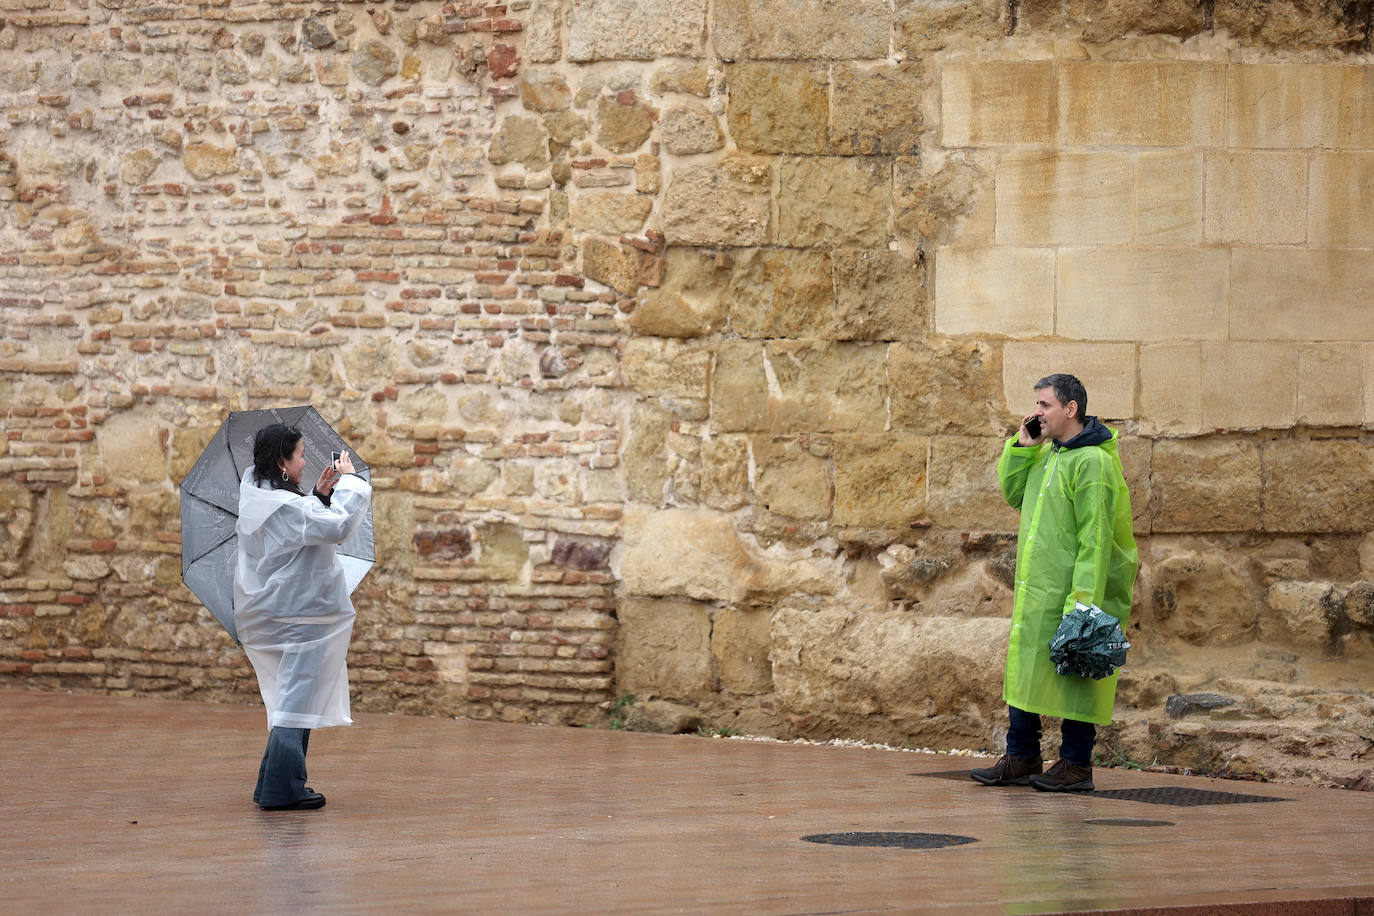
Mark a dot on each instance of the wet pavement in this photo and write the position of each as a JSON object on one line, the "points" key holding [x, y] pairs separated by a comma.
{"points": [[141, 805]]}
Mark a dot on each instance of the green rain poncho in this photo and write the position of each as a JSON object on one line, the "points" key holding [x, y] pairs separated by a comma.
{"points": [[1074, 545]]}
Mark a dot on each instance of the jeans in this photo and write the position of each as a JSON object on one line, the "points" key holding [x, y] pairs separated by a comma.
{"points": [[1076, 738], [281, 776]]}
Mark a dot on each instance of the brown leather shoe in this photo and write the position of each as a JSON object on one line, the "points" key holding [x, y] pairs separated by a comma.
{"points": [[1064, 777], [1009, 771]]}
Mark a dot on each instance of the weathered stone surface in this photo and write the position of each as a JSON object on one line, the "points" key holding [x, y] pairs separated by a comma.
{"points": [[876, 110], [1341, 206], [724, 204], [1331, 282], [128, 451], [630, 30], [793, 480], [1106, 370], [205, 160], [1299, 614], [17, 510], [1285, 106], [782, 293], [645, 455], [664, 649], [1201, 599], [782, 29], [502, 551], [690, 128], [725, 472], [1205, 485], [778, 108], [666, 368], [662, 717], [932, 25], [822, 387], [698, 553], [993, 102], [739, 387], [1169, 197], [521, 139], [138, 166], [1108, 20], [610, 212], [740, 642], [374, 62], [1058, 198], [1330, 384], [964, 491], [1235, 370], [617, 266], [543, 32], [1008, 291], [687, 78], [1317, 486], [1256, 198], [874, 662], [1139, 103], [544, 91], [879, 295], [1300, 24], [955, 201], [691, 300], [880, 480], [1155, 294], [834, 202], [944, 386], [624, 122]]}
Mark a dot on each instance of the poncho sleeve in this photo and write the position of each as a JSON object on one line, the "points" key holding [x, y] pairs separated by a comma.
{"points": [[1092, 494], [1013, 468]]}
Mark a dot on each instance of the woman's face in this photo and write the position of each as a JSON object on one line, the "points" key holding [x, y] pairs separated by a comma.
{"points": [[294, 465]]}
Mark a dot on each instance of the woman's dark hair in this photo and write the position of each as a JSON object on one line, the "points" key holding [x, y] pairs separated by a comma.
{"points": [[273, 443]]}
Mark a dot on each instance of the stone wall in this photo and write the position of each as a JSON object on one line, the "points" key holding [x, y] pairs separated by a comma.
{"points": [[683, 338]]}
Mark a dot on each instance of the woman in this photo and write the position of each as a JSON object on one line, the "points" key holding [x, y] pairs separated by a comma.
{"points": [[291, 605]]}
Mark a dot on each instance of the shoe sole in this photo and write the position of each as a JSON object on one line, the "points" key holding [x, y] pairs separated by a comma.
{"points": [[1023, 781], [1056, 787]]}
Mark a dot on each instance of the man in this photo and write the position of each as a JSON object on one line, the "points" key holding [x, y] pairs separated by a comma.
{"points": [[1074, 547]]}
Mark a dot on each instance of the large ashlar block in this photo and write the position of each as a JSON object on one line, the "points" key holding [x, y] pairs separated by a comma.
{"points": [[1171, 388], [739, 387], [1205, 485], [1331, 384], [1007, 291], [1341, 206], [805, 29], [1168, 194], [1256, 198], [945, 386], [879, 295], [793, 481], [1249, 385], [876, 110], [633, 30], [1057, 198], [779, 107], [729, 203], [666, 368], [1277, 106], [1317, 485], [1141, 103], [1301, 294], [1107, 371], [1142, 294], [664, 648], [782, 293], [880, 480], [818, 386], [964, 492], [987, 103], [834, 201]]}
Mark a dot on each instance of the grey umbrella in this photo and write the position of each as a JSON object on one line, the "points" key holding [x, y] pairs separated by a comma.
{"points": [[210, 502]]}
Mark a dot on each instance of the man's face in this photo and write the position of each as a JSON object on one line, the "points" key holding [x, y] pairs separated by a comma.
{"points": [[1055, 417]]}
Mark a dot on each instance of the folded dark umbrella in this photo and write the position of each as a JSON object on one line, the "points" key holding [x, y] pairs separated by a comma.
{"points": [[210, 502], [1089, 643]]}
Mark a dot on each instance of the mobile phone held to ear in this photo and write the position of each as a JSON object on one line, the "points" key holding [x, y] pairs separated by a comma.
{"points": [[1032, 428]]}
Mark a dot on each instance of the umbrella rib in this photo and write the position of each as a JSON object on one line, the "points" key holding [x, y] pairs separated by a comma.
{"points": [[218, 544]]}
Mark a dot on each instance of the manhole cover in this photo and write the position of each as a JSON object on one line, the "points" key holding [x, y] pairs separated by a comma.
{"points": [[1126, 822], [897, 840], [1182, 797]]}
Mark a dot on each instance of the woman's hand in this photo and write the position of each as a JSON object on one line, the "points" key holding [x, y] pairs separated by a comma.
{"points": [[345, 464], [328, 477]]}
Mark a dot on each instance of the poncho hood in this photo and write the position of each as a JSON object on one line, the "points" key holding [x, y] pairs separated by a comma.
{"points": [[256, 504], [1094, 433]]}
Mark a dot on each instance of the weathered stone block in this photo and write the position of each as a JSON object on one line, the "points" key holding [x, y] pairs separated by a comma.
{"points": [[1108, 373], [205, 160], [792, 480], [1058, 198], [610, 212], [783, 29], [834, 202], [520, 139], [1108, 20], [1141, 103], [821, 387], [739, 387], [1235, 370], [1171, 389], [129, 448], [724, 204], [374, 62], [631, 30], [876, 110], [1169, 197], [1289, 25], [1142, 294], [543, 32], [690, 302], [645, 456], [1278, 106], [954, 202], [688, 78], [879, 295], [964, 491], [879, 662], [1201, 599], [617, 266], [1330, 384], [986, 103], [138, 166], [1317, 486], [1205, 485], [782, 293], [663, 649], [740, 642], [544, 91], [880, 480], [1299, 614], [778, 107], [931, 25], [944, 386], [1008, 291], [725, 472], [1301, 294], [1256, 198], [624, 122], [1341, 206], [690, 128], [666, 368]]}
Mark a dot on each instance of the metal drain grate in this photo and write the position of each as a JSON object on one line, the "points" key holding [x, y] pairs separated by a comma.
{"points": [[892, 840], [1182, 797]]}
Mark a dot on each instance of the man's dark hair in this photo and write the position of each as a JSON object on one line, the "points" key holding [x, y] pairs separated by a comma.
{"points": [[1066, 388], [271, 443]]}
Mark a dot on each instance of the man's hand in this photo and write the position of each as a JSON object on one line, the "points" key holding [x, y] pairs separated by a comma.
{"points": [[1024, 437]]}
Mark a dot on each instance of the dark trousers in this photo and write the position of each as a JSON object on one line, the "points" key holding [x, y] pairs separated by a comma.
{"points": [[281, 777], [1075, 741]]}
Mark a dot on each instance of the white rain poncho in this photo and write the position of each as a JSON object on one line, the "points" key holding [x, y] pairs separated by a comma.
{"points": [[291, 605]]}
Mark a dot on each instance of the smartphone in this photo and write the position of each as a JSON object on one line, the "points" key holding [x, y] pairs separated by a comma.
{"points": [[334, 458], [1033, 427]]}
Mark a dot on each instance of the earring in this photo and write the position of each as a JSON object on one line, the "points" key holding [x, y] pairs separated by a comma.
{"points": [[284, 478]]}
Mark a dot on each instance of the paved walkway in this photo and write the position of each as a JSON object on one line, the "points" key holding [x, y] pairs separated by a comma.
{"points": [[114, 805]]}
